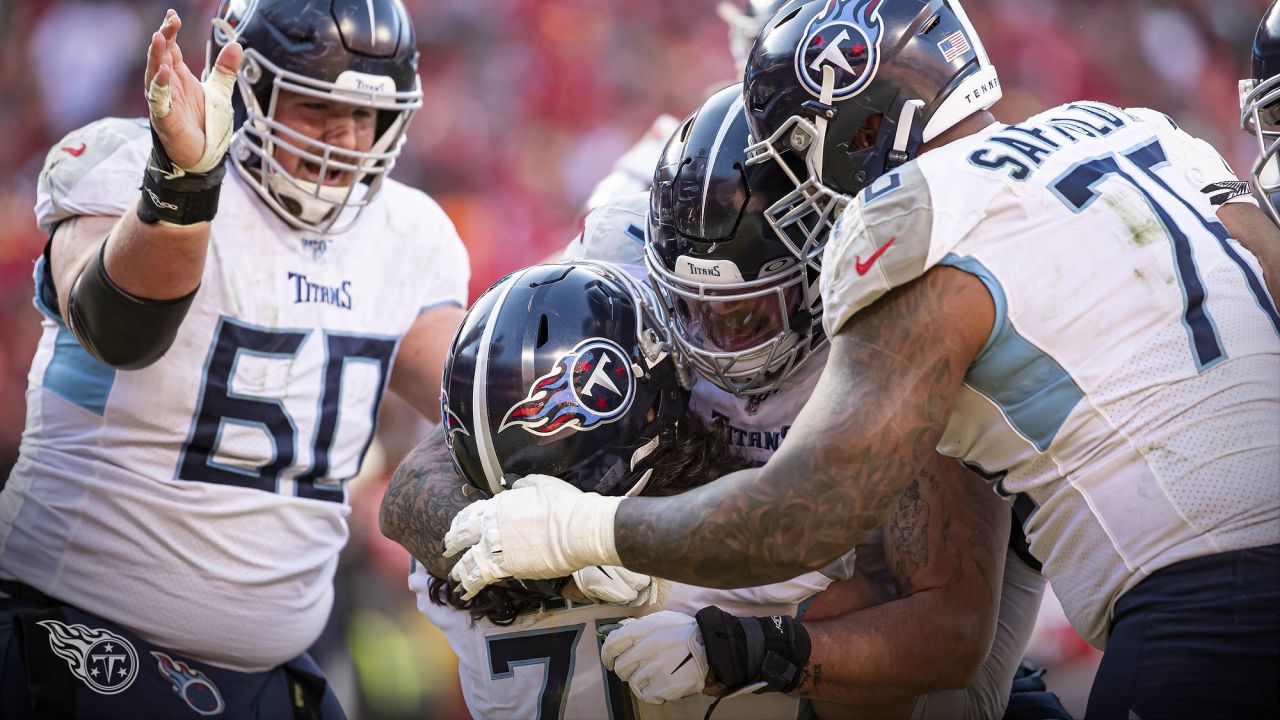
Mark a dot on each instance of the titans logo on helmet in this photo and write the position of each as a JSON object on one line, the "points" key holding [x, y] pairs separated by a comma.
{"points": [[591, 386], [846, 37]]}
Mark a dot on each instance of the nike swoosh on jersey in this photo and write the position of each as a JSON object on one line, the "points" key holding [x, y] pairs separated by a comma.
{"points": [[863, 267], [686, 659], [75, 152]]}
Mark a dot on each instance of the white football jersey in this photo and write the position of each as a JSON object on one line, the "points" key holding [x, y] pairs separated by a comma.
{"points": [[544, 665], [613, 234], [200, 502], [1128, 397], [755, 427]]}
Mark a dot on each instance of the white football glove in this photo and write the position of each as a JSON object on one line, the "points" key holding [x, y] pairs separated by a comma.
{"points": [[616, 585], [541, 528], [661, 656]]}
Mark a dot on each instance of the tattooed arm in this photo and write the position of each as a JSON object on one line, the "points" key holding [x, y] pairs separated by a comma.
{"points": [[424, 494], [944, 544], [874, 419]]}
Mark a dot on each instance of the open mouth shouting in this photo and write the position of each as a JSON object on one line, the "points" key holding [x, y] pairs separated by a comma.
{"points": [[310, 171]]}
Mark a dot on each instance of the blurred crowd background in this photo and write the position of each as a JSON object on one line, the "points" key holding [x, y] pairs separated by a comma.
{"points": [[527, 105]]}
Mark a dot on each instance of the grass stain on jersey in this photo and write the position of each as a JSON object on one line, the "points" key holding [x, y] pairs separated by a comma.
{"points": [[1170, 460], [1143, 226]]}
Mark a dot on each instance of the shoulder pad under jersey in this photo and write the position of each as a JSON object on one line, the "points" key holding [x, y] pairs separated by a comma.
{"points": [[880, 242], [94, 170]]}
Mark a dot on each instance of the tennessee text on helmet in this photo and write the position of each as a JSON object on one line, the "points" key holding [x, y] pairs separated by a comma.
{"points": [[563, 370], [355, 53], [740, 285], [1260, 110], [822, 68]]}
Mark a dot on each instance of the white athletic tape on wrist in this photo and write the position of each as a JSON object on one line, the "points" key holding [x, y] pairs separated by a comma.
{"points": [[218, 116], [218, 119]]}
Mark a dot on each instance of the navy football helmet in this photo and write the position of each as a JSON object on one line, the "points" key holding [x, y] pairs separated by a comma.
{"points": [[564, 370], [1260, 110], [824, 72], [745, 23], [360, 53], [740, 287]]}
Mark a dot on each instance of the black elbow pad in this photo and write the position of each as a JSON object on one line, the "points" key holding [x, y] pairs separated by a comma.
{"points": [[117, 328]]}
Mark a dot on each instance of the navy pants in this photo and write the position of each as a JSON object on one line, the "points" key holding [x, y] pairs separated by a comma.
{"points": [[1198, 639], [59, 662]]}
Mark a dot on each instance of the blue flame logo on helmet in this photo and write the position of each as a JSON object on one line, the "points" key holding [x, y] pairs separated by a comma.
{"points": [[590, 386], [846, 36]]}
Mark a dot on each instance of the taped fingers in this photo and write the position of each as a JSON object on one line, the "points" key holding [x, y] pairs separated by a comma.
{"points": [[159, 98], [218, 118]]}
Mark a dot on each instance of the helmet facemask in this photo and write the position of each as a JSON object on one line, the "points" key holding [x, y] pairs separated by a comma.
{"points": [[744, 336], [316, 206], [802, 218], [1260, 115]]}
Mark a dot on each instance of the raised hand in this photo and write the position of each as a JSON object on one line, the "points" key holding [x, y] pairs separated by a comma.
{"points": [[191, 119]]}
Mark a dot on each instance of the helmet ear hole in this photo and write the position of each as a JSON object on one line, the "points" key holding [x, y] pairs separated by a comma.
{"points": [[542, 331]]}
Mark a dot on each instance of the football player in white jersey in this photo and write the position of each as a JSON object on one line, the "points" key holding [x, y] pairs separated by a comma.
{"points": [[564, 369], [214, 355], [1055, 303], [510, 412], [939, 635], [746, 314]]}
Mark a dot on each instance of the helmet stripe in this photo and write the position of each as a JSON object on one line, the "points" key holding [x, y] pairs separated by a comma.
{"points": [[480, 398], [734, 115]]}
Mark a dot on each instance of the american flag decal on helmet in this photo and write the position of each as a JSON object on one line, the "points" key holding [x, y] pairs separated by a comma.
{"points": [[591, 386]]}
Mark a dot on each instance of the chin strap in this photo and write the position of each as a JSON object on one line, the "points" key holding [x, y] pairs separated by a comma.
{"points": [[906, 140], [820, 123]]}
